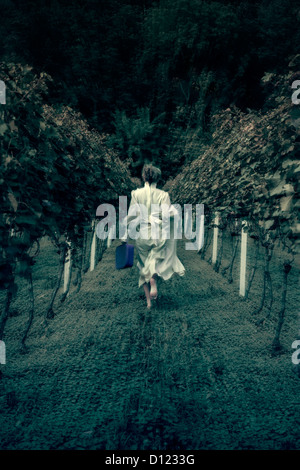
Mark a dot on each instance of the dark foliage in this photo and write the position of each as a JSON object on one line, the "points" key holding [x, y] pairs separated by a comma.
{"points": [[180, 60]]}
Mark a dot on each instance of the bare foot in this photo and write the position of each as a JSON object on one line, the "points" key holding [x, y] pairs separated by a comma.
{"points": [[153, 290]]}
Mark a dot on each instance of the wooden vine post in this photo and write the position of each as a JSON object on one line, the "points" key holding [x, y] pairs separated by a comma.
{"points": [[215, 238], [93, 249], [243, 259], [67, 269], [109, 236], [2, 352]]}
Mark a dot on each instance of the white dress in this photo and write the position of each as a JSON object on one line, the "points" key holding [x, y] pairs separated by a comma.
{"points": [[154, 255]]}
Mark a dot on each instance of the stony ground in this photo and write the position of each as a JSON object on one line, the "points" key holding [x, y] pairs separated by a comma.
{"points": [[195, 373]]}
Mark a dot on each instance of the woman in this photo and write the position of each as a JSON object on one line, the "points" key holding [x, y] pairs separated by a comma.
{"points": [[156, 252]]}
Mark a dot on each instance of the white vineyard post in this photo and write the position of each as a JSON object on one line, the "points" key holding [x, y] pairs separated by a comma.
{"points": [[215, 240], [67, 267], [93, 249], [108, 237], [243, 260], [2, 353], [2, 93]]}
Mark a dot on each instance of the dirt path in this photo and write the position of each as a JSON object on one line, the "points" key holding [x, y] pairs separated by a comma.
{"points": [[195, 373]]}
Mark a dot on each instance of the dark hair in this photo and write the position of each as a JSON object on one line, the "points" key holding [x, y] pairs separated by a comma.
{"points": [[151, 173]]}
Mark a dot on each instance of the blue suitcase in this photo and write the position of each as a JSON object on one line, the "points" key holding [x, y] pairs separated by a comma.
{"points": [[124, 256]]}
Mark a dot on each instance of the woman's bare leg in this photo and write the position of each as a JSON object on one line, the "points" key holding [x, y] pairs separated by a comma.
{"points": [[153, 291], [147, 293]]}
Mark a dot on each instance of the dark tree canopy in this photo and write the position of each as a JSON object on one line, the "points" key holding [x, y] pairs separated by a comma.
{"points": [[166, 66]]}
